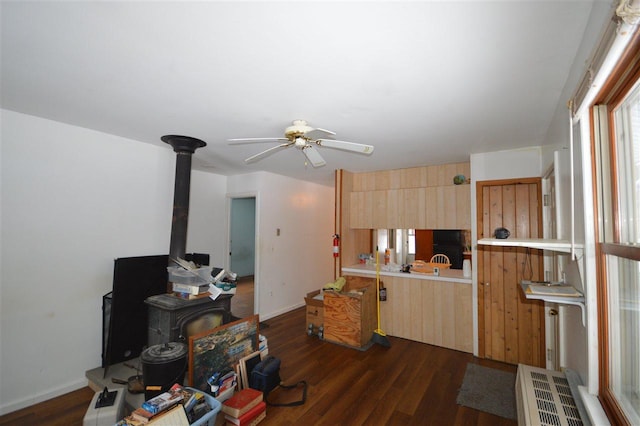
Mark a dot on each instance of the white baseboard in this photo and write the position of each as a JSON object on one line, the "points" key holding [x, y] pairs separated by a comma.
{"points": [[36, 398], [274, 314]]}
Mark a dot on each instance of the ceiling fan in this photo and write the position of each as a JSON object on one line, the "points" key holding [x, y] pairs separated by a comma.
{"points": [[305, 138]]}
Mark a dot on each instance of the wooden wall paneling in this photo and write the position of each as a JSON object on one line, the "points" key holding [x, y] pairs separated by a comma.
{"points": [[395, 179], [356, 203], [429, 315], [368, 183], [440, 208], [368, 210], [379, 209], [496, 280], [449, 312], [383, 180], [511, 306], [432, 176], [399, 303], [421, 208], [463, 206], [450, 207], [510, 277], [407, 302], [342, 195], [361, 210], [438, 312], [416, 310], [352, 241], [394, 209], [357, 185], [428, 311], [413, 177], [464, 318], [411, 211], [513, 326], [431, 209], [450, 171], [482, 218]]}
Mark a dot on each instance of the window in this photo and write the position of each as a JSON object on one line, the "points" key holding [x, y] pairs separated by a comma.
{"points": [[617, 173]]}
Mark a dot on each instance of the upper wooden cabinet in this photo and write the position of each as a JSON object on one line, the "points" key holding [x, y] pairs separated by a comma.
{"points": [[419, 198]]}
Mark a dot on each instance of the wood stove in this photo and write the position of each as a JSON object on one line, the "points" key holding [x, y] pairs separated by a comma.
{"points": [[170, 317]]}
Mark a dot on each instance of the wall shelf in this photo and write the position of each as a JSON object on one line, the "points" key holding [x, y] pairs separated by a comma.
{"points": [[562, 246], [554, 298]]}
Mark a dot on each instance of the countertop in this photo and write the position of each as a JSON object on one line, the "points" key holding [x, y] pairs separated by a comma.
{"points": [[451, 275]]}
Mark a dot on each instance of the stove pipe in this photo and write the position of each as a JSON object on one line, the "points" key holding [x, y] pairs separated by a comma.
{"points": [[184, 147]]}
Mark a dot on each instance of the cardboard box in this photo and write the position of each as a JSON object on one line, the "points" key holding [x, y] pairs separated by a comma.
{"points": [[315, 310]]}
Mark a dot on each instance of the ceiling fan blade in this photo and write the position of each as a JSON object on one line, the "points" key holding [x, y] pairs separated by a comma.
{"points": [[318, 133], [313, 156], [345, 146], [254, 140], [266, 153]]}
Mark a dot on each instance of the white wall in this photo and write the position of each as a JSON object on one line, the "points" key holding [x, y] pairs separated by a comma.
{"points": [[73, 200], [300, 260], [207, 216]]}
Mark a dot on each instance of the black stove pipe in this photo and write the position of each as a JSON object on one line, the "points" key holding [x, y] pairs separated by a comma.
{"points": [[184, 147]]}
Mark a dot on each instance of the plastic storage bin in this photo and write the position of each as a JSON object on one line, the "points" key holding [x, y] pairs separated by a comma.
{"points": [[208, 419], [192, 276]]}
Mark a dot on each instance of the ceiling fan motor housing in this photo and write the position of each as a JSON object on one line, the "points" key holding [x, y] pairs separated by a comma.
{"points": [[298, 129]]}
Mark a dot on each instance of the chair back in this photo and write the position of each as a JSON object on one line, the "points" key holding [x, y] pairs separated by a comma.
{"points": [[440, 260]]}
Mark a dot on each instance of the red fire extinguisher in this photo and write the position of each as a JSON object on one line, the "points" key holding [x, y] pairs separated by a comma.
{"points": [[336, 245]]}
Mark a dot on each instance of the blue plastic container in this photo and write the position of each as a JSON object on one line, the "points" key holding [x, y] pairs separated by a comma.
{"points": [[208, 419]]}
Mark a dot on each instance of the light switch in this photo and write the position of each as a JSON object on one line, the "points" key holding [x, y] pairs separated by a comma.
{"points": [[278, 232]]}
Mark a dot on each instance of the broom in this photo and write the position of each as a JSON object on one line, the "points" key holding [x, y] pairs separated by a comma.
{"points": [[379, 336]]}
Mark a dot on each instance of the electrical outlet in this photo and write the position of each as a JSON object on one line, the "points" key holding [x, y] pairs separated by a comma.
{"points": [[278, 232]]}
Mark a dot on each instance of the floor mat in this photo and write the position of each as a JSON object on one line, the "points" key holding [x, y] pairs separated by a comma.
{"points": [[489, 390]]}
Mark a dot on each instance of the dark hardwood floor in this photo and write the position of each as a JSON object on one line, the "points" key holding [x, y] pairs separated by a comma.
{"points": [[407, 384]]}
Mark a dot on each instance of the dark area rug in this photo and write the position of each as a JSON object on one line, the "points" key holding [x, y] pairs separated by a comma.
{"points": [[489, 390]]}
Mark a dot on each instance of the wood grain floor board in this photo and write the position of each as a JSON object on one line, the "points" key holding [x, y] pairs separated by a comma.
{"points": [[409, 383]]}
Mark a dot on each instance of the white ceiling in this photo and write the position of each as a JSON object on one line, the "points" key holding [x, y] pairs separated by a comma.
{"points": [[424, 82]]}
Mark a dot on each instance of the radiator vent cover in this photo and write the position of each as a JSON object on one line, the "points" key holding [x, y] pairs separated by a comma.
{"points": [[544, 398]]}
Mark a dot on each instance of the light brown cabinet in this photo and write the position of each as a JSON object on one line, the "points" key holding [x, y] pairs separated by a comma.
{"points": [[436, 207], [429, 311]]}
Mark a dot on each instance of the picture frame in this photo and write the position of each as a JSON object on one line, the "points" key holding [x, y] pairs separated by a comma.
{"points": [[246, 366], [218, 350]]}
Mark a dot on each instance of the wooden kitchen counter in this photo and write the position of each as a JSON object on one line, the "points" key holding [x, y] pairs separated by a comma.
{"points": [[431, 309], [451, 275]]}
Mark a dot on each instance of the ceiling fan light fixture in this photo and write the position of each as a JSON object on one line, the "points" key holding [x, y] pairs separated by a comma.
{"points": [[306, 139], [297, 129], [300, 142]]}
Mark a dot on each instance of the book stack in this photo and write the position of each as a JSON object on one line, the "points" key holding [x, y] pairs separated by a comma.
{"points": [[176, 407], [165, 400], [245, 408], [190, 291]]}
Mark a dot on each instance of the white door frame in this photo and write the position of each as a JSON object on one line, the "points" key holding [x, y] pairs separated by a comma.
{"points": [[256, 266]]}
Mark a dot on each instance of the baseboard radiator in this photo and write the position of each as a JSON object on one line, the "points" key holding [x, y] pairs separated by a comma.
{"points": [[545, 398]]}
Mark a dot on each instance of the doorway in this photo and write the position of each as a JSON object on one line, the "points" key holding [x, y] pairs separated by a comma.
{"points": [[242, 254], [510, 327]]}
